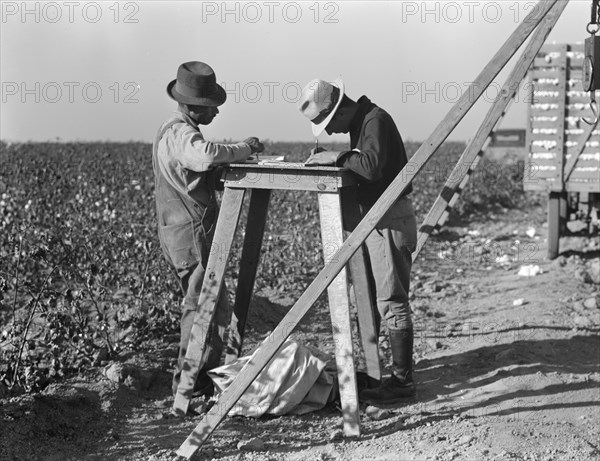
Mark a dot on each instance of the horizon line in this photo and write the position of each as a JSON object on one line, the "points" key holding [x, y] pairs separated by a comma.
{"points": [[222, 141]]}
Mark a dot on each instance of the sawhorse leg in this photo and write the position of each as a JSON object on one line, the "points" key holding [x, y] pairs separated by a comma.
{"points": [[255, 226], [330, 212], [211, 288], [365, 305], [363, 292]]}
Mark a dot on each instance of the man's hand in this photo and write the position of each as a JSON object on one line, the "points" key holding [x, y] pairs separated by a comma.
{"points": [[321, 156], [316, 150], [255, 145]]}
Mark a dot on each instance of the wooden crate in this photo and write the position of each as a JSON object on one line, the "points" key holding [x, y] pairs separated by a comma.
{"points": [[555, 129]]}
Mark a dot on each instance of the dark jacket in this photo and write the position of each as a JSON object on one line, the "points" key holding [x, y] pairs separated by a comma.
{"points": [[377, 154]]}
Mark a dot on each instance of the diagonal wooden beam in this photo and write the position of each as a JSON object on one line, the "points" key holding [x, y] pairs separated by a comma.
{"points": [[561, 149], [276, 339], [444, 204], [470, 157]]}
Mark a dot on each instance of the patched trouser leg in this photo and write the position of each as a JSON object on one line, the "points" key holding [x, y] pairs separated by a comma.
{"points": [[390, 248], [213, 335]]}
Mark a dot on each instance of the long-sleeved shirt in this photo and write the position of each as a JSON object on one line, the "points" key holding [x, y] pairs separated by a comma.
{"points": [[184, 156], [377, 154]]}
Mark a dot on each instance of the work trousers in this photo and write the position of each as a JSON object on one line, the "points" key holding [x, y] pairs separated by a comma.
{"points": [[389, 249], [213, 334]]}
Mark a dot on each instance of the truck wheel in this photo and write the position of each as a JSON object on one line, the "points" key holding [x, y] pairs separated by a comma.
{"points": [[557, 221]]}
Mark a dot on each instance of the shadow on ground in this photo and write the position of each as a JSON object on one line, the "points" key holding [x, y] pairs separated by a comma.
{"points": [[487, 381]]}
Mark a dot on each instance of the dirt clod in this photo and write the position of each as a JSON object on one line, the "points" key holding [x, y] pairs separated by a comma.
{"points": [[590, 303], [254, 444], [377, 414], [336, 435], [130, 375]]}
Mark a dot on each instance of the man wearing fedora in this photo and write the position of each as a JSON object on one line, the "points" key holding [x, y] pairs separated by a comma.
{"points": [[377, 155], [186, 170]]}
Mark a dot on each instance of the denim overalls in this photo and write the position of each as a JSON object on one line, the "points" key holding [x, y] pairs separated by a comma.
{"points": [[185, 228]]}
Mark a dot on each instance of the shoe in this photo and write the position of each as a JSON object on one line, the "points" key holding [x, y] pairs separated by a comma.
{"points": [[400, 385], [364, 381], [172, 414], [392, 392]]}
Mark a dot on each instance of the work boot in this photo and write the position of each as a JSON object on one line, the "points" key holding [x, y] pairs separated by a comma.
{"points": [[400, 385], [364, 381]]}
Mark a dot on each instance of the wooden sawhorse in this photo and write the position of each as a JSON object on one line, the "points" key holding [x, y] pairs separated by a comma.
{"points": [[328, 182]]}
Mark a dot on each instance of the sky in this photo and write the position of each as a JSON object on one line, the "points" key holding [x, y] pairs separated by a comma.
{"points": [[97, 71]]}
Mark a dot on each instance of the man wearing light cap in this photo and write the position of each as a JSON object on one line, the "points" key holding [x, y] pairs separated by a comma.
{"points": [[186, 169], [377, 155]]}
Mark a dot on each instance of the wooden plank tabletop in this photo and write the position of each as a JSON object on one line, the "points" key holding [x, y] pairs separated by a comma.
{"points": [[288, 175], [287, 166]]}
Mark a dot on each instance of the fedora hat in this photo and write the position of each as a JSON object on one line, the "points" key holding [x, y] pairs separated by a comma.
{"points": [[319, 102], [196, 84]]}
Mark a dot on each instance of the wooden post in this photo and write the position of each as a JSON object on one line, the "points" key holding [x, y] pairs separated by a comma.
{"points": [[330, 212], [561, 148], [366, 306], [276, 339], [529, 165], [455, 181]]}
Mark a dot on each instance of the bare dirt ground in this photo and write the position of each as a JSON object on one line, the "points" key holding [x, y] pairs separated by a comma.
{"points": [[507, 369]]}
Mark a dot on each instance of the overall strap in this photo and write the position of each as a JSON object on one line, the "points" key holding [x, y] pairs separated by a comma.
{"points": [[208, 178], [191, 204], [159, 136]]}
